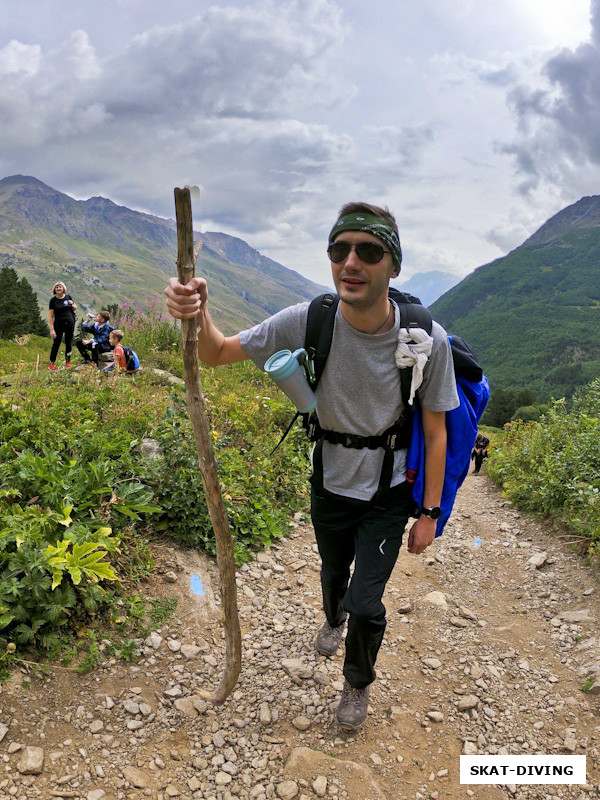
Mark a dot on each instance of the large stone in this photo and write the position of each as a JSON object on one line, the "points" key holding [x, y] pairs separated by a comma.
{"points": [[31, 761], [154, 640], [190, 650], [186, 706], [538, 560], [305, 764], [95, 794], [264, 714], [296, 669], [436, 599], [287, 790], [575, 616], [467, 702], [137, 777]]}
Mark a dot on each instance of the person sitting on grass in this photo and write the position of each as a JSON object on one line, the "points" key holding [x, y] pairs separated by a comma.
{"points": [[90, 349], [125, 359]]}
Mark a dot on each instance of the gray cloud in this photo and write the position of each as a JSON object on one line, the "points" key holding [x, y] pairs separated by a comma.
{"points": [[218, 101], [559, 123]]}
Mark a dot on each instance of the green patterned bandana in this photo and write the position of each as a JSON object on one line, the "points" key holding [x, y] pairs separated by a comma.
{"points": [[369, 223]]}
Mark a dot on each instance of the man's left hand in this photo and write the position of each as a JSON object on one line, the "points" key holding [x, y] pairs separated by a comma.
{"points": [[421, 535]]}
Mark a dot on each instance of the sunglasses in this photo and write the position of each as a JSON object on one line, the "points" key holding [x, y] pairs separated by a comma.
{"points": [[368, 252]]}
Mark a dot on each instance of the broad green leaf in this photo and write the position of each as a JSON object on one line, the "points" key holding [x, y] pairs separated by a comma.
{"points": [[57, 576], [75, 574], [5, 620], [89, 561], [127, 511], [81, 550], [105, 571]]}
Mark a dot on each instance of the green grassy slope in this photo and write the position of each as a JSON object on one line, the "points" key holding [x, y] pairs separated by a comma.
{"points": [[109, 254], [534, 315]]}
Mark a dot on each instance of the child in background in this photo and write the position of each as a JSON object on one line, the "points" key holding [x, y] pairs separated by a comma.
{"points": [[90, 349], [125, 358]]}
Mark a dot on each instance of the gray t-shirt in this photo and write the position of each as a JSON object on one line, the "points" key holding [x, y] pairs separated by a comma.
{"points": [[359, 391]]}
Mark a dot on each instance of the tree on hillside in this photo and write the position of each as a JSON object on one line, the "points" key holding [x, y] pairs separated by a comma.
{"points": [[19, 309], [504, 403]]}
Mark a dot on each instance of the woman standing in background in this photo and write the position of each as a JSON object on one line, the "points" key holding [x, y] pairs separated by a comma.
{"points": [[61, 316]]}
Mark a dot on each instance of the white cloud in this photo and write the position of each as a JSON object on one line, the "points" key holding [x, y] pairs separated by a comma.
{"points": [[16, 57]]}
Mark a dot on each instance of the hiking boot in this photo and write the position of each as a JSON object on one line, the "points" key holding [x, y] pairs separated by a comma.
{"points": [[352, 710], [67, 363], [329, 639], [51, 366]]}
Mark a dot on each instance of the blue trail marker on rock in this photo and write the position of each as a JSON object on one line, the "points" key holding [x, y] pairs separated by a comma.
{"points": [[196, 585]]}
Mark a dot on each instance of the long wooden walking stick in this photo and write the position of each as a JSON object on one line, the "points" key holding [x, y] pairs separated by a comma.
{"points": [[206, 458]]}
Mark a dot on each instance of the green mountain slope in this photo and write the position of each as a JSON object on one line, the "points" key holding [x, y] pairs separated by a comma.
{"points": [[107, 253], [533, 316]]}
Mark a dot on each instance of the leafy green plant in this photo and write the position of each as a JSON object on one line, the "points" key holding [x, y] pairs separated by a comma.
{"points": [[261, 489], [588, 684], [161, 610], [553, 466], [79, 503], [92, 657]]}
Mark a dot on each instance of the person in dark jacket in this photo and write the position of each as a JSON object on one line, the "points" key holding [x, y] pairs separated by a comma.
{"points": [[61, 317], [100, 329], [480, 451]]}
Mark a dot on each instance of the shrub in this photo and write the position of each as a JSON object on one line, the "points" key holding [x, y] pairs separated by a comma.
{"points": [[260, 489], [68, 491], [553, 466], [148, 328], [76, 494]]}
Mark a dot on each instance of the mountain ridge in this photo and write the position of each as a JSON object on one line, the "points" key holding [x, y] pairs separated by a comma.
{"points": [[108, 253], [533, 316]]}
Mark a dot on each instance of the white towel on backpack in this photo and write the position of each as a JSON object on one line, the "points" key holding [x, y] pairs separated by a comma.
{"points": [[414, 348]]}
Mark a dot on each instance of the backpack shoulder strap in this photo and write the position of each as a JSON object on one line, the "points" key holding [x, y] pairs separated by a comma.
{"points": [[412, 315], [319, 332]]}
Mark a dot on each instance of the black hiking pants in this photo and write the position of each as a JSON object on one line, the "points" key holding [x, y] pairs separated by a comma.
{"points": [[478, 459], [62, 328], [348, 531], [89, 352]]}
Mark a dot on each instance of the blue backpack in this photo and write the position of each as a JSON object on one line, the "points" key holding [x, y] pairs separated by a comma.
{"points": [[461, 423], [131, 359]]}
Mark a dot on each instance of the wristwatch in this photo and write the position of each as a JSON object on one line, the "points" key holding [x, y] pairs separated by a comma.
{"points": [[433, 512]]}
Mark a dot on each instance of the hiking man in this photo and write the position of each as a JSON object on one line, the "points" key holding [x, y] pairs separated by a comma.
{"points": [[356, 517]]}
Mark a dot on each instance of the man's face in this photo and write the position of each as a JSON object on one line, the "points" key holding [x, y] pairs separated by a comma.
{"points": [[360, 284]]}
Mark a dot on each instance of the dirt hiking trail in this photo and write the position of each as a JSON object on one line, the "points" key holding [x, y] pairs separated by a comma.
{"points": [[486, 651]]}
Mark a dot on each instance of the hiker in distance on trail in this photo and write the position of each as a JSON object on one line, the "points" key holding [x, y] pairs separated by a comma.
{"points": [[360, 498]]}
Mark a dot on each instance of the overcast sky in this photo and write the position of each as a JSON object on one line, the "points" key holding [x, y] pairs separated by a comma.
{"points": [[473, 120]]}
